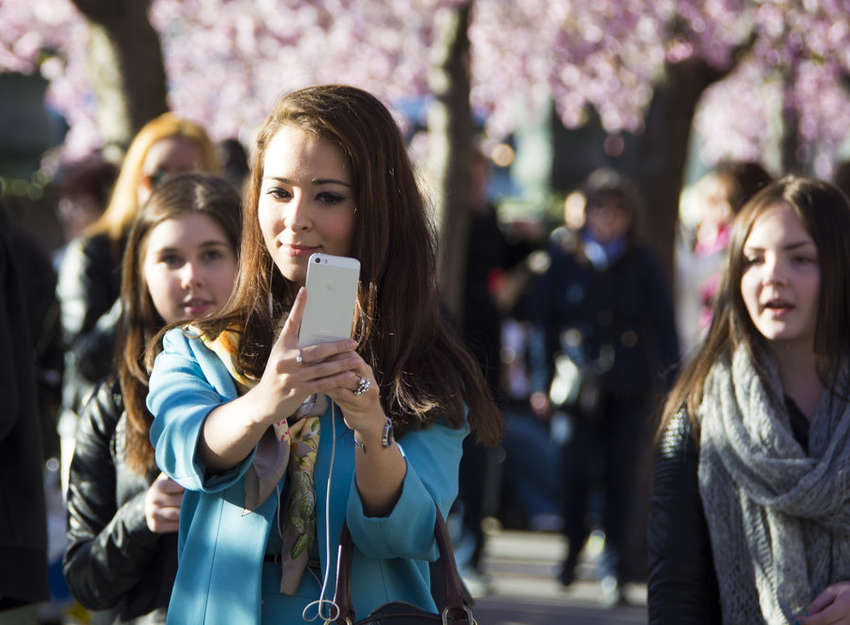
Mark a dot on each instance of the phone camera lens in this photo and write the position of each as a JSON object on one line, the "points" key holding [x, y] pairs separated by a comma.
{"points": [[318, 260]]}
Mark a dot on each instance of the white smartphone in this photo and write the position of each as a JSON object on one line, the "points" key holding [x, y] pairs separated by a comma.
{"points": [[331, 295]]}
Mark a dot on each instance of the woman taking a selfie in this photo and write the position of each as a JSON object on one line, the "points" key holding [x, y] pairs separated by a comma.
{"points": [[750, 508], [180, 263], [277, 446]]}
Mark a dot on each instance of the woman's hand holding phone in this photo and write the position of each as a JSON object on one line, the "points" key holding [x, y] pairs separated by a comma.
{"points": [[323, 367], [233, 429]]}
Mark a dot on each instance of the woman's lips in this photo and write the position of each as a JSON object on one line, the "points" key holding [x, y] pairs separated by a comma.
{"points": [[299, 250], [197, 307], [778, 308]]}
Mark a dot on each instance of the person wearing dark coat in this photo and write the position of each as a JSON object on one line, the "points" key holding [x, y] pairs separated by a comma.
{"points": [[114, 561], [603, 311], [180, 263], [749, 508], [23, 528]]}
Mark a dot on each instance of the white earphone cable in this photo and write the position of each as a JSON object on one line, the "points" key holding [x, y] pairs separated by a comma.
{"points": [[332, 608]]}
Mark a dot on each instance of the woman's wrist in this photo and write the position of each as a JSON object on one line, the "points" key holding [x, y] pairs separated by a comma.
{"points": [[375, 439]]}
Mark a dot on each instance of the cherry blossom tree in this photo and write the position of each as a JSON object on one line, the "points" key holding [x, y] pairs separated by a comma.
{"points": [[755, 78]]}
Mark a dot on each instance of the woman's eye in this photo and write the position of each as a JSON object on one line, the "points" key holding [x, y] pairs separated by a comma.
{"points": [[278, 193], [805, 259], [172, 260], [330, 198], [212, 255], [751, 260]]}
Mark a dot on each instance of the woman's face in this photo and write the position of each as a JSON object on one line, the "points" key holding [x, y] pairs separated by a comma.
{"points": [[306, 201], [781, 280], [173, 155], [188, 266]]}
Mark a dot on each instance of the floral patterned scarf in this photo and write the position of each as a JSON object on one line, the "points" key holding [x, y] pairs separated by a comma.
{"points": [[289, 445]]}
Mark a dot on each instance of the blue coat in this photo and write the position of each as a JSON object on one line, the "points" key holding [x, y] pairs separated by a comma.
{"points": [[221, 548]]}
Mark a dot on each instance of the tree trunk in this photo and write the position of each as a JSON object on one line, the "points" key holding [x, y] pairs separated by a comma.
{"points": [[792, 158], [451, 132], [127, 68], [665, 150]]}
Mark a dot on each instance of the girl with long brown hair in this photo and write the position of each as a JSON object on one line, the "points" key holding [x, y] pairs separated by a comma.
{"points": [[179, 264], [90, 274], [750, 506], [374, 424]]}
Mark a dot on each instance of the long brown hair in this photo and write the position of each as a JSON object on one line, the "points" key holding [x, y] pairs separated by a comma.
{"points": [[423, 370], [825, 213], [184, 193]]}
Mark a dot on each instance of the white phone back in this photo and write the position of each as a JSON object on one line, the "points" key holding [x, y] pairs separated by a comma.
{"points": [[331, 295]]}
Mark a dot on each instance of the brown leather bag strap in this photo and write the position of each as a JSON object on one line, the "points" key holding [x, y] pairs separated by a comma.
{"points": [[452, 586]]}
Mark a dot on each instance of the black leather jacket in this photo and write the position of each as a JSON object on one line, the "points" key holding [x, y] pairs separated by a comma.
{"points": [[682, 585], [113, 561]]}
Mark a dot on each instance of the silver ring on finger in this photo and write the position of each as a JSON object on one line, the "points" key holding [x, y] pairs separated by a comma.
{"points": [[362, 386], [299, 358]]}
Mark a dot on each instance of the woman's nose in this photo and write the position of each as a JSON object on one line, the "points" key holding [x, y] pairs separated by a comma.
{"points": [[190, 275], [297, 214], [776, 271]]}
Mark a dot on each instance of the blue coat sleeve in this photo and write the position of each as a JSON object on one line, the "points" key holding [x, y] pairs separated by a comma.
{"points": [[433, 457], [186, 384]]}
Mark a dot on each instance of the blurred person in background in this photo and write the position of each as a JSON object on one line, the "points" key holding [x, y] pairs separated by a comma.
{"points": [[23, 532], [84, 189], [179, 263], [90, 278], [713, 202], [234, 161], [603, 337], [490, 256]]}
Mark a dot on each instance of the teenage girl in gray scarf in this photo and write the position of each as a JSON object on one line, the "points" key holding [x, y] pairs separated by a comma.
{"points": [[750, 514]]}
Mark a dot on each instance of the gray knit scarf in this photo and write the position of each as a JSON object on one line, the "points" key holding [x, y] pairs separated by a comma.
{"points": [[778, 517]]}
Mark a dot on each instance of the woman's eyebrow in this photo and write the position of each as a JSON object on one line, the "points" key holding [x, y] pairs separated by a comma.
{"points": [[316, 181], [789, 246]]}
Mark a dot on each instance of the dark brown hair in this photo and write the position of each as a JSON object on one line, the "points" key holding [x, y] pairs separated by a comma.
{"points": [[740, 180], [423, 370], [825, 214], [140, 322]]}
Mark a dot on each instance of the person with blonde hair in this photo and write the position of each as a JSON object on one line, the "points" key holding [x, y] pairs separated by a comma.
{"points": [[90, 273]]}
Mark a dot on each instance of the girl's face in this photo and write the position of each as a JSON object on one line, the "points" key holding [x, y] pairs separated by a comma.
{"points": [[306, 201], [188, 266], [781, 280], [172, 155]]}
